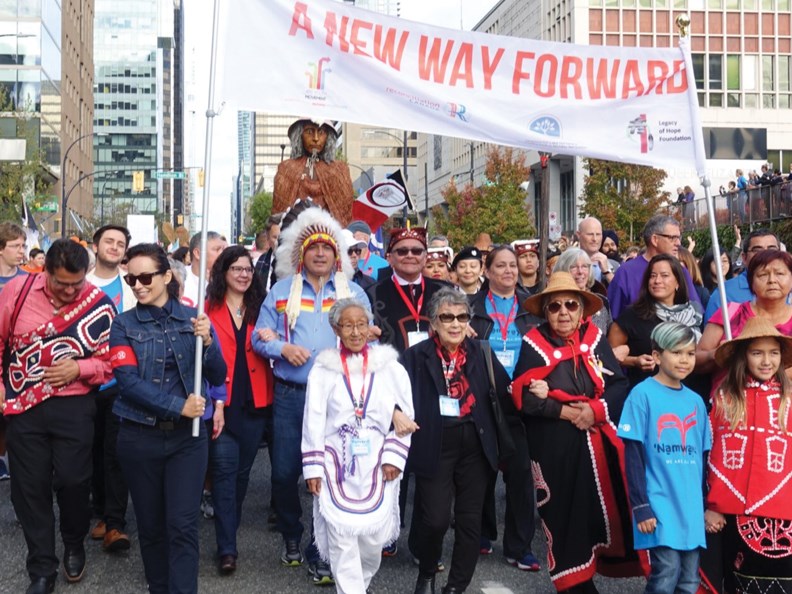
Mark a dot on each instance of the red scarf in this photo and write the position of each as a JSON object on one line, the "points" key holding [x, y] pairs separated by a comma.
{"points": [[458, 386]]}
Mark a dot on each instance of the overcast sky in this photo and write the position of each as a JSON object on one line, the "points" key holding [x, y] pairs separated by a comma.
{"points": [[198, 29]]}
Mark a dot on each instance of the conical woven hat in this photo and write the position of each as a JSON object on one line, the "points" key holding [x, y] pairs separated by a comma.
{"points": [[756, 327], [562, 282]]}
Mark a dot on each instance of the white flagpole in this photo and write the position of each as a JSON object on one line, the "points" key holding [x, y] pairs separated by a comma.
{"points": [[683, 22], [210, 114]]}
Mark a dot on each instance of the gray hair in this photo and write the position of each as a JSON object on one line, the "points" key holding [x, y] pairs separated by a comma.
{"points": [[569, 258], [446, 296], [195, 240], [340, 306], [656, 225], [298, 150]]}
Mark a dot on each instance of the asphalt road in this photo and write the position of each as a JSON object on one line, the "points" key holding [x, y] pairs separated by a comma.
{"points": [[259, 570]]}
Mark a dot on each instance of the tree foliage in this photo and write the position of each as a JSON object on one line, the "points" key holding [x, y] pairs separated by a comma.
{"points": [[20, 180], [499, 207], [622, 196], [259, 210]]}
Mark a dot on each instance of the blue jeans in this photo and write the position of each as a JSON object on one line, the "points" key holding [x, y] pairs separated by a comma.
{"points": [[165, 472], [232, 456], [673, 572], [287, 418]]}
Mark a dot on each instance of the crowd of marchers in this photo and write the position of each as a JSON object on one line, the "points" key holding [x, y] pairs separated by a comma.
{"points": [[604, 388]]}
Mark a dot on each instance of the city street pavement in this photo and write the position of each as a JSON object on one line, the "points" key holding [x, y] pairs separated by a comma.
{"points": [[259, 569]]}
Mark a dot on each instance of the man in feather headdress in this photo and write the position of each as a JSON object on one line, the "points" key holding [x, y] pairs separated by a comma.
{"points": [[292, 328]]}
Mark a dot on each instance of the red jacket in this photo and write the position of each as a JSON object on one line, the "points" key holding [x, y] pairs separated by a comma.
{"points": [[259, 368]]}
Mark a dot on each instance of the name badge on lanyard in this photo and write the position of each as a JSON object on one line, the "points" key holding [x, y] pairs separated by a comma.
{"points": [[415, 337], [360, 446], [449, 407], [506, 358]]}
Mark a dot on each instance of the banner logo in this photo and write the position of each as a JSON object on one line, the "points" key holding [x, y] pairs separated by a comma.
{"points": [[457, 110], [546, 125], [639, 129], [317, 74]]}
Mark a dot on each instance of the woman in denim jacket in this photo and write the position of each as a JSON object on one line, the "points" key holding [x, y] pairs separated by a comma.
{"points": [[153, 356]]}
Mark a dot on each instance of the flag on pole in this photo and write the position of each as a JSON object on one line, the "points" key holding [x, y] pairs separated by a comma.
{"points": [[381, 200], [30, 226]]}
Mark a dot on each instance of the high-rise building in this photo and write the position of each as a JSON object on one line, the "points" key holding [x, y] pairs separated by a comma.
{"points": [[741, 57], [54, 87], [134, 49], [270, 147]]}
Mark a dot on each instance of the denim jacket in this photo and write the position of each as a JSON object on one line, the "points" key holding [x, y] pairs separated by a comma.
{"points": [[137, 353]]}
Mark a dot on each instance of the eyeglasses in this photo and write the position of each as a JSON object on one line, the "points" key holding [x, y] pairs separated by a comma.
{"points": [[403, 251], [241, 269], [448, 318], [78, 285], [585, 267], [360, 327], [671, 238], [356, 251], [571, 306], [145, 278]]}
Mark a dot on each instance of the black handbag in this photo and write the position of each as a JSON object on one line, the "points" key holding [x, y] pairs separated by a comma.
{"points": [[506, 447]]}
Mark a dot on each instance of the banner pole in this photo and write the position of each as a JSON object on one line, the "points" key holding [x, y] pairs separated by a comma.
{"points": [[683, 22], [210, 115]]}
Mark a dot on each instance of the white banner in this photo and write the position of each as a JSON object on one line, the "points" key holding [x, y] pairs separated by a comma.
{"points": [[329, 60]]}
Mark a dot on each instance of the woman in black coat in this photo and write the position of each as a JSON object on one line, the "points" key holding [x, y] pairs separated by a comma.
{"points": [[455, 451]]}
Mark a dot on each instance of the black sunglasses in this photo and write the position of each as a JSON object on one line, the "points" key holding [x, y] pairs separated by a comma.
{"points": [[356, 251], [145, 278], [447, 318], [403, 251], [571, 306]]}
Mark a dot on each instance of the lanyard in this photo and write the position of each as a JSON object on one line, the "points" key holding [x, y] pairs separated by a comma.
{"points": [[498, 317], [415, 313], [359, 404], [448, 371]]}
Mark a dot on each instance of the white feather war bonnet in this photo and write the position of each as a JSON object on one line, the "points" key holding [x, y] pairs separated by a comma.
{"points": [[312, 226]]}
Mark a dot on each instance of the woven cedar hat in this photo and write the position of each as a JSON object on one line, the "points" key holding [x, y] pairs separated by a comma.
{"points": [[756, 327], [562, 282]]}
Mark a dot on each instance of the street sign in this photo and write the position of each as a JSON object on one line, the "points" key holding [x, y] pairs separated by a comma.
{"points": [[169, 175], [45, 206]]}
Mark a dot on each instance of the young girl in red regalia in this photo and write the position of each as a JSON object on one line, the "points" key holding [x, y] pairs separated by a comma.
{"points": [[750, 466]]}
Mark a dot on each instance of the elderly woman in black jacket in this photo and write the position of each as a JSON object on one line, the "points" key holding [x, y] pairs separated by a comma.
{"points": [[456, 449]]}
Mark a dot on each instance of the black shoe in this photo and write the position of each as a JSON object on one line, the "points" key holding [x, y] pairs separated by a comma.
{"points": [[74, 563], [452, 590], [227, 564], [425, 584], [42, 585]]}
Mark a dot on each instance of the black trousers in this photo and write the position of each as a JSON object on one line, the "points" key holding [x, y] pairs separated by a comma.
{"points": [[49, 448], [109, 491], [165, 472], [520, 519], [462, 474]]}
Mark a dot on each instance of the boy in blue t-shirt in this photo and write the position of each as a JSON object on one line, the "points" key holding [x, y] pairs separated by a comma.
{"points": [[665, 429]]}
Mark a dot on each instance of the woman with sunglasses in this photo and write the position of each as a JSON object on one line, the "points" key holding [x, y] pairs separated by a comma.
{"points": [[663, 297], [498, 317], [570, 389], [455, 450], [152, 349], [233, 303]]}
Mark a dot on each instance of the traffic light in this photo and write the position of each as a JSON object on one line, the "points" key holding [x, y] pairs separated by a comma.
{"points": [[137, 181], [200, 178]]}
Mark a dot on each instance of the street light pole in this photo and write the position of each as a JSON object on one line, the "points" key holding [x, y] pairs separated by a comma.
{"points": [[64, 195]]}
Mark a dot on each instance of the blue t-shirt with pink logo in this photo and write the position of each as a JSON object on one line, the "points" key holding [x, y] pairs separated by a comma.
{"points": [[673, 426]]}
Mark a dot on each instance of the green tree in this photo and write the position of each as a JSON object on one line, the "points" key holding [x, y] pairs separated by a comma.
{"points": [[259, 210], [499, 207], [20, 180], [622, 196]]}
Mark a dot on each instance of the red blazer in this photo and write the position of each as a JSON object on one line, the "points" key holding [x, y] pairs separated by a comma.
{"points": [[259, 367]]}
